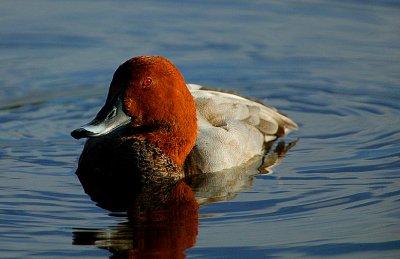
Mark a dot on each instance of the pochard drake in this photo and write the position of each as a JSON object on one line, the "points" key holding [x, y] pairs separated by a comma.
{"points": [[155, 123]]}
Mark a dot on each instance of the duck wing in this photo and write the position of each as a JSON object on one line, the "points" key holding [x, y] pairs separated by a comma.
{"points": [[218, 107], [232, 129]]}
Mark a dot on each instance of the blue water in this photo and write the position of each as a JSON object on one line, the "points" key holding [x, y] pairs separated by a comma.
{"points": [[332, 66]]}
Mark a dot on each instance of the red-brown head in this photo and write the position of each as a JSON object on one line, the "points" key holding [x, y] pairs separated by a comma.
{"points": [[151, 92]]}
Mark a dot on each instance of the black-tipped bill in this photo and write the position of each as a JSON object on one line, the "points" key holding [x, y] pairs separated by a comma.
{"points": [[109, 118]]}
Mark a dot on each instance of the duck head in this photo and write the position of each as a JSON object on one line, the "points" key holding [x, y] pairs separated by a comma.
{"points": [[150, 94]]}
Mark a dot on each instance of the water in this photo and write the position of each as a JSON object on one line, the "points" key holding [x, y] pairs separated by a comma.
{"points": [[332, 66]]}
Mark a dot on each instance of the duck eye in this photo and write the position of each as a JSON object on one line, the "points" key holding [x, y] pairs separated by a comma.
{"points": [[147, 82]]}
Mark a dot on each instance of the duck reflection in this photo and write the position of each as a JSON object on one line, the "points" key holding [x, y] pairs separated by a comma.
{"points": [[225, 185], [162, 216], [159, 225]]}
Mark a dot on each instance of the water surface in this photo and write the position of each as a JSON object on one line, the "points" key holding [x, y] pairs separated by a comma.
{"points": [[332, 66]]}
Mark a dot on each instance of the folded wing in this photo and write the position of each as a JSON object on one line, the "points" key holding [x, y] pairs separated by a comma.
{"points": [[232, 129]]}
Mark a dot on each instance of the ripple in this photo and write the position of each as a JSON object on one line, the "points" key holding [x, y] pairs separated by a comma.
{"points": [[43, 40], [335, 194]]}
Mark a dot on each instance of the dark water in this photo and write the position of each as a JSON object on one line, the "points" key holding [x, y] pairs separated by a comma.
{"points": [[333, 66]]}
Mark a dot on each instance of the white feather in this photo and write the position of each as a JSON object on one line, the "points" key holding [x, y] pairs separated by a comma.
{"points": [[233, 129]]}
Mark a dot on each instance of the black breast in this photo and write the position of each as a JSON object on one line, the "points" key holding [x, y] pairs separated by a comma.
{"points": [[113, 171]]}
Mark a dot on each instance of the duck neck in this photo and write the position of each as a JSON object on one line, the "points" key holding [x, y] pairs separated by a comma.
{"points": [[175, 141]]}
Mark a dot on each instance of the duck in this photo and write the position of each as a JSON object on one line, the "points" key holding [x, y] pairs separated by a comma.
{"points": [[162, 129]]}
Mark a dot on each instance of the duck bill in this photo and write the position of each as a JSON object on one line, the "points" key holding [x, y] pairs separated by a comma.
{"points": [[109, 118]]}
